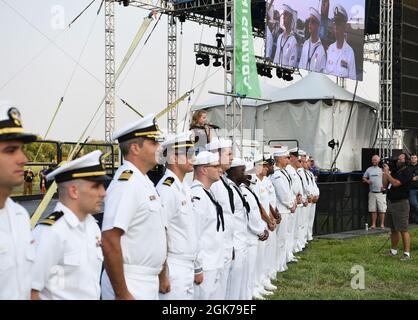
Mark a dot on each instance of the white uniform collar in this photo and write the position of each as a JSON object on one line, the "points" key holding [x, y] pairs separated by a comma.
{"points": [[70, 216], [177, 181], [129, 165]]}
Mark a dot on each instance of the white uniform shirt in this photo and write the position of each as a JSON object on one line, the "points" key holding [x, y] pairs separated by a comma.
{"points": [[313, 57], [314, 186], [135, 207], [296, 184], [304, 183], [286, 51], [68, 258], [341, 62], [17, 252], [181, 223], [256, 225], [263, 195], [240, 218], [268, 184], [221, 195], [282, 183], [210, 245]]}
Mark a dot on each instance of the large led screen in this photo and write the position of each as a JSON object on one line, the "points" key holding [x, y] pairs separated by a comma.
{"points": [[325, 36]]}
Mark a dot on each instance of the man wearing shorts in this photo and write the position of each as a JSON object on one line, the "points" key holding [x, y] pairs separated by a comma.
{"points": [[397, 183], [377, 199]]}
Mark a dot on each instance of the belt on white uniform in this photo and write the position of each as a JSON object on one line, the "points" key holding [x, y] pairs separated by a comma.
{"points": [[141, 269], [183, 257]]}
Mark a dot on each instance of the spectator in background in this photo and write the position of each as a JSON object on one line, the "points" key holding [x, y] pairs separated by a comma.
{"points": [[377, 199], [314, 169], [200, 128], [397, 183], [413, 189], [28, 176], [51, 168], [42, 185]]}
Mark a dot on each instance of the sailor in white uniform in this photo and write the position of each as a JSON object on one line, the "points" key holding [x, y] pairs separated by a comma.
{"points": [[313, 57], [177, 281], [210, 227], [303, 221], [266, 259], [17, 250], [340, 56], [224, 195], [315, 198], [69, 255], [134, 235], [271, 243], [237, 286], [286, 49], [286, 203], [257, 229]]}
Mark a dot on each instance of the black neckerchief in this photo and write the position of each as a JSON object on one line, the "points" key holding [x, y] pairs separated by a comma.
{"points": [[301, 180], [308, 63], [282, 46], [289, 179], [230, 195], [244, 202], [219, 212], [306, 175], [255, 196]]}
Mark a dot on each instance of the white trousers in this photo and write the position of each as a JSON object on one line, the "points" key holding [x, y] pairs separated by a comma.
{"points": [[270, 253], [226, 274], [207, 289], [302, 233], [141, 286], [260, 267], [237, 284], [181, 277], [290, 238], [311, 221], [282, 238], [252, 261]]}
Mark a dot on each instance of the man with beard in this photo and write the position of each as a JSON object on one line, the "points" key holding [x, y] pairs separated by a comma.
{"points": [[397, 183]]}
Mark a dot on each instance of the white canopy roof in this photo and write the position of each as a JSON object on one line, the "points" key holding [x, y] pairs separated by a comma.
{"points": [[313, 87]]}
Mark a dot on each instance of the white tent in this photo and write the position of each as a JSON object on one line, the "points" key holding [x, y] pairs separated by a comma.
{"points": [[313, 111]]}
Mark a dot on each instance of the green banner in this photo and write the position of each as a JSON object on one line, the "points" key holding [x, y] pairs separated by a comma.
{"points": [[246, 77]]}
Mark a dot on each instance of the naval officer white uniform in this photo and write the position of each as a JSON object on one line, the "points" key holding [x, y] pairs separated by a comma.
{"points": [[17, 250], [182, 239], [69, 255], [134, 235]]}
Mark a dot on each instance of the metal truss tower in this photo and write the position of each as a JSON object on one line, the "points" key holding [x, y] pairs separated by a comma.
{"points": [[172, 72], [233, 109], [385, 134], [109, 69]]}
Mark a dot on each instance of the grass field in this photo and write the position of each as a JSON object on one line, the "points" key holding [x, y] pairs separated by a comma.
{"points": [[324, 271]]}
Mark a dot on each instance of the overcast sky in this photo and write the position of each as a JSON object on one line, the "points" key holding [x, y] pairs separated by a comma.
{"points": [[35, 73]]}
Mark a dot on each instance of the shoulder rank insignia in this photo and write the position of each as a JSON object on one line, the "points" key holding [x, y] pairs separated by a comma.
{"points": [[126, 175], [169, 181], [52, 218], [195, 198]]}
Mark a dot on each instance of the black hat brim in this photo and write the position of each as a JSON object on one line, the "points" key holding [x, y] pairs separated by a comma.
{"points": [[104, 178], [24, 137]]}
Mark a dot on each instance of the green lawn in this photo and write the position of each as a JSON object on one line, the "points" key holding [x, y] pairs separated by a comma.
{"points": [[324, 271]]}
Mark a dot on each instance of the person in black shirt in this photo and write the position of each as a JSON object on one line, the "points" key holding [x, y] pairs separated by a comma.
{"points": [[413, 188], [397, 183]]}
